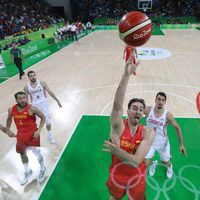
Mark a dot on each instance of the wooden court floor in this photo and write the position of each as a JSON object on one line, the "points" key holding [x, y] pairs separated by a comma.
{"points": [[84, 76]]}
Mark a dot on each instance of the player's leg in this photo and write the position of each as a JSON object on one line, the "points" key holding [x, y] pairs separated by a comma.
{"points": [[165, 156], [27, 170], [40, 158], [134, 62], [149, 163], [138, 185], [51, 138], [113, 198], [116, 193], [18, 64], [44, 107]]}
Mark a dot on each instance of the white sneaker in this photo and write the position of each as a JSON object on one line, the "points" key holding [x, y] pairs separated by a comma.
{"points": [[26, 177], [51, 138], [170, 172], [41, 175], [152, 168]]}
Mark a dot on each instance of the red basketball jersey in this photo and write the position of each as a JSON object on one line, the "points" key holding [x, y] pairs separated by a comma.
{"points": [[26, 124], [130, 145]]}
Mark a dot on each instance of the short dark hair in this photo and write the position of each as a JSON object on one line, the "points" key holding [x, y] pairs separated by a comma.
{"points": [[136, 100], [19, 93], [30, 72], [161, 94]]}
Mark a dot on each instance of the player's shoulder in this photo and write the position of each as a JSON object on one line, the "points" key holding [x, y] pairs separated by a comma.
{"points": [[43, 83], [32, 108], [169, 115]]}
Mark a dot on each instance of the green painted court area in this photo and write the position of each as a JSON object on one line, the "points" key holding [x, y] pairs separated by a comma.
{"points": [[82, 170]]}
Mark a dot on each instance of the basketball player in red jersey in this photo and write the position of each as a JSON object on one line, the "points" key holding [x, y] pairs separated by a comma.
{"points": [[28, 135], [128, 50], [130, 142]]}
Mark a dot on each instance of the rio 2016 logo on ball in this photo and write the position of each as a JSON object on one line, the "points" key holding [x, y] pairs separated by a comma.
{"points": [[135, 28]]}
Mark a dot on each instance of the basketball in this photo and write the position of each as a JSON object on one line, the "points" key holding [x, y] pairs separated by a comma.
{"points": [[135, 28]]}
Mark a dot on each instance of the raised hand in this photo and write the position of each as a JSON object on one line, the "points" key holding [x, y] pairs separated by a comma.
{"points": [[130, 67]]}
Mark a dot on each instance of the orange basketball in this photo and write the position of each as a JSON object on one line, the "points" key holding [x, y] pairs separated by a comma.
{"points": [[198, 102], [135, 28]]}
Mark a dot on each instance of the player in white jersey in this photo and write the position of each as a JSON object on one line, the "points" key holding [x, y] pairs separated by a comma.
{"points": [[158, 118], [38, 95]]}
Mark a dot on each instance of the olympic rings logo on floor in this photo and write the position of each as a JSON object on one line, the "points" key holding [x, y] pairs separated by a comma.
{"points": [[153, 183]]}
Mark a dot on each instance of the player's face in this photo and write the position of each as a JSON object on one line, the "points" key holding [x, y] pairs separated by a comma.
{"points": [[160, 102], [21, 100], [32, 77], [136, 112]]}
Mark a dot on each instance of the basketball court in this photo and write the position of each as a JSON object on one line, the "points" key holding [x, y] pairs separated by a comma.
{"points": [[84, 76]]}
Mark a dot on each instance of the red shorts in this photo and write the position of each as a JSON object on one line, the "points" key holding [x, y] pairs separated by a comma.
{"points": [[135, 190], [23, 144]]}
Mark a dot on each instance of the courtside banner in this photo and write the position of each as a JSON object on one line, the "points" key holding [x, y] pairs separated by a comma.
{"points": [[28, 49], [2, 65]]}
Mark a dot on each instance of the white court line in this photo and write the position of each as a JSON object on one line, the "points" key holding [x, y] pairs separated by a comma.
{"points": [[115, 53], [139, 92], [4, 77], [34, 195], [86, 53], [182, 36], [138, 84], [134, 84]]}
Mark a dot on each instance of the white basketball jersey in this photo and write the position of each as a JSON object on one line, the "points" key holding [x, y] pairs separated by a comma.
{"points": [[158, 124], [38, 93]]}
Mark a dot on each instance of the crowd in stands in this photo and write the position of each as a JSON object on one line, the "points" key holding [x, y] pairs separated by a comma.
{"points": [[19, 17], [20, 42], [166, 8], [161, 8], [66, 31]]}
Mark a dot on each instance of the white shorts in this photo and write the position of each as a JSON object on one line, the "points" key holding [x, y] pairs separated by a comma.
{"points": [[163, 151], [44, 108]]}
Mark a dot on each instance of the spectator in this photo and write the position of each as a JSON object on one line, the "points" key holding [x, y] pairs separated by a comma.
{"points": [[20, 42], [21, 17], [7, 46], [73, 32]]}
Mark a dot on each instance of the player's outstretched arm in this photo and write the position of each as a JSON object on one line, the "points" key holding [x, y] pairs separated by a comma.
{"points": [[117, 109], [3, 128], [171, 119], [8, 124], [26, 92], [46, 87]]}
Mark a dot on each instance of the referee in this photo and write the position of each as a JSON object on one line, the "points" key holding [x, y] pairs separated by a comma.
{"points": [[18, 57]]}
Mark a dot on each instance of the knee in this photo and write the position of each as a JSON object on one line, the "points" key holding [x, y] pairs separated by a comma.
{"points": [[167, 163], [24, 157]]}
